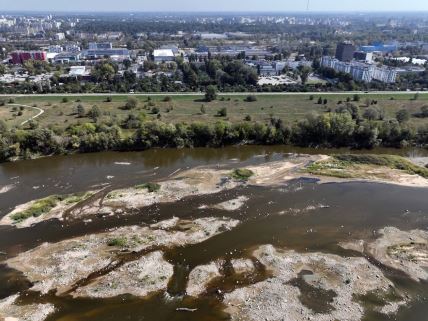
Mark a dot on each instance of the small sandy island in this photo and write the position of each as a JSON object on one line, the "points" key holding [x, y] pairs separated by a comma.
{"points": [[43, 209], [406, 251]]}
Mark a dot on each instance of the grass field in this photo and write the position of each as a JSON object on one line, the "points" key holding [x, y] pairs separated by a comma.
{"points": [[290, 108]]}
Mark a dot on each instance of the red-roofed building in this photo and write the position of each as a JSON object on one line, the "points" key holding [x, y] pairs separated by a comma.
{"points": [[19, 57]]}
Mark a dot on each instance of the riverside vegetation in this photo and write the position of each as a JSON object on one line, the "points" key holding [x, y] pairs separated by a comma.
{"points": [[346, 126]]}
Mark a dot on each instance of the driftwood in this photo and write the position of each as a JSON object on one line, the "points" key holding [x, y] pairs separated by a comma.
{"points": [[186, 310]]}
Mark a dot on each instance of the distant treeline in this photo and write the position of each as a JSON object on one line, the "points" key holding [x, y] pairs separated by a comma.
{"points": [[337, 129]]}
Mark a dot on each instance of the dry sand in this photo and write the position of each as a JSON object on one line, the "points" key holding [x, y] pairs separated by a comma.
{"points": [[201, 276], [277, 299], [149, 274], [406, 251], [59, 266]]}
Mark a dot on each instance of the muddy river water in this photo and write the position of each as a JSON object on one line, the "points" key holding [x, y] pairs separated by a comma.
{"points": [[300, 215]]}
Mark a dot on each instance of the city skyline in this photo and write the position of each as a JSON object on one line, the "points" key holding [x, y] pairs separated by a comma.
{"points": [[218, 6]]}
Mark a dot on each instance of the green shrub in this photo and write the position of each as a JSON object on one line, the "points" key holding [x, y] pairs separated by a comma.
{"points": [[222, 112], [38, 208], [242, 174], [391, 161], [118, 242], [151, 187], [251, 98]]}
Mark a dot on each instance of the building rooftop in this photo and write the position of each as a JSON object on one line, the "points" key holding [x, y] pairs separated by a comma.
{"points": [[163, 53]]}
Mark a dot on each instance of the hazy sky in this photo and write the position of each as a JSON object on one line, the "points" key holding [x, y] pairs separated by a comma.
{"points": [[214, 5]]}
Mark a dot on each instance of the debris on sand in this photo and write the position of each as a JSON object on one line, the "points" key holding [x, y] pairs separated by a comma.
{"points": [[150, 273], [242, 266], [232, 205], [198, 181], [10, 310], [201, 276], [6, 188], [400, 250], [59, 266], [278, 299]]}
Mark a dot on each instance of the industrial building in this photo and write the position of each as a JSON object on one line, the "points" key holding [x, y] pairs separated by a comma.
{"points": [[105, 50], [163, 55]]}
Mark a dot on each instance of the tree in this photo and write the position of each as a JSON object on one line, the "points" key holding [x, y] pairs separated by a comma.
{"points": [[127, 63], [203, 110], [357, 97], [304, 72], [94, 113], [403, 116], [211, 93], [80, 111], [320, 101], [373, 113], [2, 69], [131, 103]]}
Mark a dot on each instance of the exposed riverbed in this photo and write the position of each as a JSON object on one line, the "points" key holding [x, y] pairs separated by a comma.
{"points": [[210, 246]]}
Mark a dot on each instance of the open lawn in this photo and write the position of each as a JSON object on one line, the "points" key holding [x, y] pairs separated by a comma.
{"points": [[188, 108]]}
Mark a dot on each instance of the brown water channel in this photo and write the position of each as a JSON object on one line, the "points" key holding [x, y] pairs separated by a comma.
{"points": [[283, 216]]}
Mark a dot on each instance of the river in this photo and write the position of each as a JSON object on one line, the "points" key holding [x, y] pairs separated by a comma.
{"points": [[342, 211]]}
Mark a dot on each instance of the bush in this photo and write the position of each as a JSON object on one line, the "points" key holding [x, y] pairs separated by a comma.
{"points": [[424, 112], [38, 208], [251, 98], [11, 101], [155, 110], [167, 98], [247, 118], [109, 99], [242, 174], [210, 93], [150, 187], [65, 100], [222, 112], [131, 103], [118, 242], [403, 116], [391, 161]]}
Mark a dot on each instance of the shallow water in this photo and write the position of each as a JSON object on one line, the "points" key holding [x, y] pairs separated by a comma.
{"points": [[300, 215]]}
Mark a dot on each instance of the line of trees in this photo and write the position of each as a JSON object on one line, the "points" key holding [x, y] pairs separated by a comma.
{"points": [[336, 129]]}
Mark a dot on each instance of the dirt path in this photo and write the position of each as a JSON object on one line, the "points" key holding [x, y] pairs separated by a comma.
{"points": [[41, 112]]}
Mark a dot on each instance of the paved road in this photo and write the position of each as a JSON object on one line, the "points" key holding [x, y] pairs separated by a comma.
{"points": [[41, 111], [221, 94]]}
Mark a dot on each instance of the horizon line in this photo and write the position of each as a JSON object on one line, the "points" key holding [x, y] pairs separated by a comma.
{"points": [[130, 11]]}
